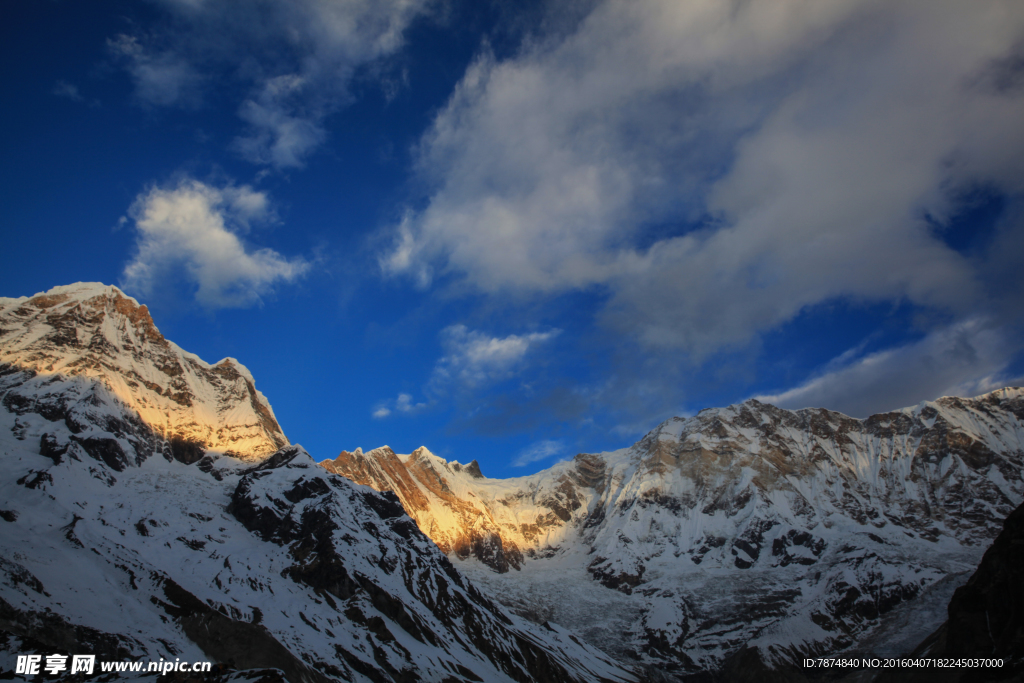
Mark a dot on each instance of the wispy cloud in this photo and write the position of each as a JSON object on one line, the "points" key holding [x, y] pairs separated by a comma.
{"points": [[965, 359], [161, 79], [279, 136], [541, 450], [194, 231], [67, 91], [294, 60], [719, 167], [473, 358], [403, 404], [472, 361]]}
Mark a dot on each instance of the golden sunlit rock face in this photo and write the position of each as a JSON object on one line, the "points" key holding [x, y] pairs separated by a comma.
{"points": [[936, 470], [94, 334], [465, 513]]}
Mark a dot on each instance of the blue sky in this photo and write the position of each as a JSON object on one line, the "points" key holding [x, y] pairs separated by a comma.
{"points": [[518, 231]]}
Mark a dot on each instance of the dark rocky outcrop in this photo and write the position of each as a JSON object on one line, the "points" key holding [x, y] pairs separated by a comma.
{"points": [[57, 634], [238, 643], [986, 618]]}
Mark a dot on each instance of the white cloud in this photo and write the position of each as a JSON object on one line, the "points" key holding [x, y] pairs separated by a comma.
{"points": [[719, 167], [965, 359], [402, 258], [402, 404], [541, 450], [473, 359], [194, 230], [295, 57]]}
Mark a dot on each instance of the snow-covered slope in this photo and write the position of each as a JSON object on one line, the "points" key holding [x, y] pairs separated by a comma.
{"points": [[114, 541], [789, 532]]}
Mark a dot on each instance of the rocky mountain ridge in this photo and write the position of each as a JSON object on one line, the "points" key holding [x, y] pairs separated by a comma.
{"points": [[152, 508], [92, 337], [441, 497], [793, 532]]}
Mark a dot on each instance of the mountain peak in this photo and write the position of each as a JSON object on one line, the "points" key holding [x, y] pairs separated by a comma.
{"points": [[76, 290], [97, 334], [472, 469]]}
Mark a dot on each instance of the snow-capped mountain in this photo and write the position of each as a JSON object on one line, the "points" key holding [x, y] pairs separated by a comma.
{"points": [[90, 337], [746, 529], [152, 508]]}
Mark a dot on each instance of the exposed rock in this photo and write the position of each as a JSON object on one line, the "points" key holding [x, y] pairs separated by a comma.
{"points": [[241, 644], [453, 504], [421, 481], [58, 634]]}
